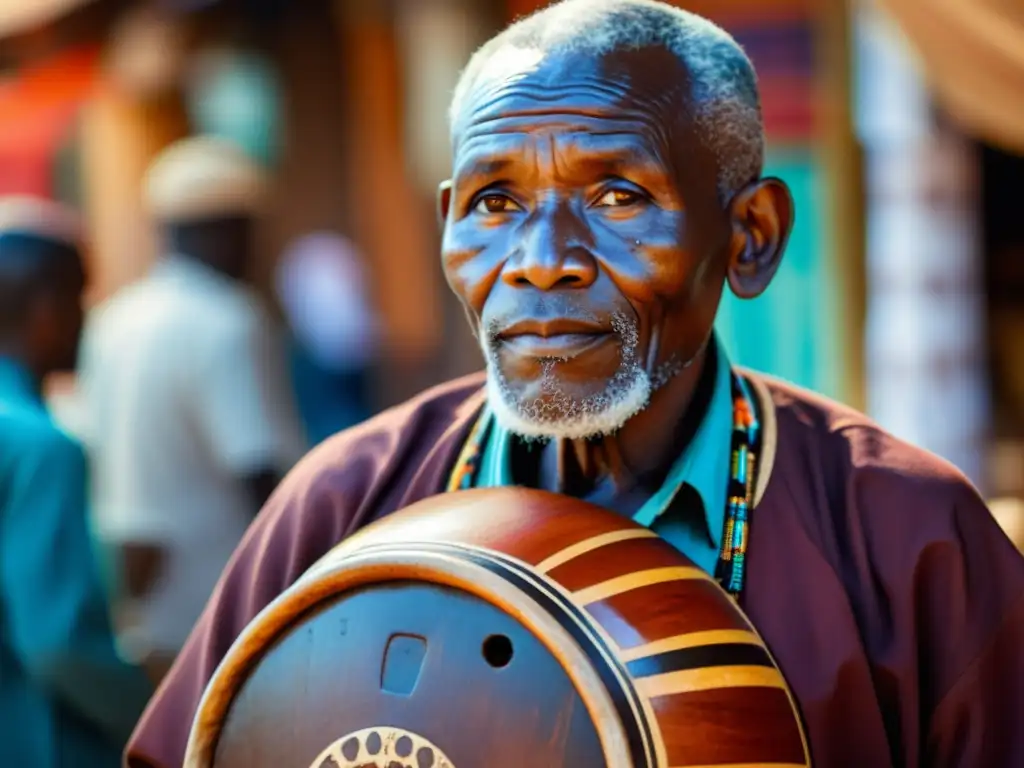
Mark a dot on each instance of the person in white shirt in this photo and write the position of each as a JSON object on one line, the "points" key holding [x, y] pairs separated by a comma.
{"points": [[187, 412]]}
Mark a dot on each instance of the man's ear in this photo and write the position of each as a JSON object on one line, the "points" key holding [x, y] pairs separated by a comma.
{"points": [[761, 215], [444, 201]]}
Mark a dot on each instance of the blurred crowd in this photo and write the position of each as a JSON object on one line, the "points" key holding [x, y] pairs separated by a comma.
{"points": [[192, 403]]}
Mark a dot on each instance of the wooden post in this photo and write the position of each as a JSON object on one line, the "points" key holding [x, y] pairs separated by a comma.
{"points": [[436, 40], [841, 156], [392, 220], [120, 136], [312, 189]]}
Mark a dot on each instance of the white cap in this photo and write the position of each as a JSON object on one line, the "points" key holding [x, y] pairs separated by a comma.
{"points": [[203, 178], [38, 217]]}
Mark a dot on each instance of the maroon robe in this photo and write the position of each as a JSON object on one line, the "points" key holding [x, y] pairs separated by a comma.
{"points": [[891, 600]]}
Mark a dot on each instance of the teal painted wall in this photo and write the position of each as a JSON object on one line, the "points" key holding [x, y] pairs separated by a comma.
{"points": [[792, 330]]}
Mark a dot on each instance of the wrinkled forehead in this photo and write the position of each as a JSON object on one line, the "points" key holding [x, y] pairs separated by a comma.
{"points": [[621, 107], [515, 81]]}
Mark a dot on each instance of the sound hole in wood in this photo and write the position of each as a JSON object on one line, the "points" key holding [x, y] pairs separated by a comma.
{"points": [[498, 651], [411, 660]]}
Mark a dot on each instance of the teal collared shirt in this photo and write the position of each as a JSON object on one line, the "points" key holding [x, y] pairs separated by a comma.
{"points": [[704, 466], [66, 697]]}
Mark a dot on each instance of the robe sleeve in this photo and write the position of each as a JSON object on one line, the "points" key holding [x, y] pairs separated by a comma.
{"points": [[974, 603], [298, 525], [59, 624]]}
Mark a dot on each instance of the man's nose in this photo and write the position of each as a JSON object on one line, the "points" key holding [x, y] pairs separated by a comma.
{"points": [[551, 256]]}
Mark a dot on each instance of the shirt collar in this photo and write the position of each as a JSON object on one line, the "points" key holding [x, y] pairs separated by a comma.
{"points": [[703, 465]]}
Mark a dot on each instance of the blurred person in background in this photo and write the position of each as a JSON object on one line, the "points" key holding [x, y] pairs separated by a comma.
{"points": [[66, 696], [189, 421], [321, 285]]}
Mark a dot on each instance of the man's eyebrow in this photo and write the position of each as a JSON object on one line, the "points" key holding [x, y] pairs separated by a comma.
{"points": [[616, 154], [612, 162], [482, 165]]}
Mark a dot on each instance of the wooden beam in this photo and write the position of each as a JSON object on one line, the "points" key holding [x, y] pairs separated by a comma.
{"points": [[842, 158], [119, 137], [392, 220]]}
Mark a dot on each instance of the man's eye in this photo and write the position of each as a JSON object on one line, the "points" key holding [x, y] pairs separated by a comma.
{"points": [[618, 198], [495, 204]]}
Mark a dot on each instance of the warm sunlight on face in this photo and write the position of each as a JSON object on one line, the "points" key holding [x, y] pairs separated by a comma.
{"points": [[580, 232]]}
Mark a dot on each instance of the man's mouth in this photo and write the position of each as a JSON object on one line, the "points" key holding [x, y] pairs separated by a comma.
{"points": [[553, 339]]}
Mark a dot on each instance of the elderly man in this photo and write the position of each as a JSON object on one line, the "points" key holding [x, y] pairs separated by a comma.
{"points": [[187, 419], [66, 697], [607, 187]]}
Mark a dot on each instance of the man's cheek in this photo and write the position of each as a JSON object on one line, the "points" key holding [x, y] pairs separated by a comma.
{"points": [[472, 279]]}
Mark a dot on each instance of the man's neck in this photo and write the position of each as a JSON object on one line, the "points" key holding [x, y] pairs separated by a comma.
{"points": [[208, 266], [636, 459]]}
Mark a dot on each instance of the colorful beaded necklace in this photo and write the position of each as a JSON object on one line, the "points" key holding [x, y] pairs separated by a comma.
{"points": [[745, 447]]}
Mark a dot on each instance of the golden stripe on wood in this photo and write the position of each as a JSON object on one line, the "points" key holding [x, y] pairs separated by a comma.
{"points": [[594, 542], [690, 640], [631, 581], [708, 679]]}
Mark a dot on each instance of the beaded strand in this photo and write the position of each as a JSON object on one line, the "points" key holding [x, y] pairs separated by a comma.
{"points": [[746, 436]]}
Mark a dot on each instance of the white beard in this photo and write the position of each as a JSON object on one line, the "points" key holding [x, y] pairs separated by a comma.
{"points": [[561, 416], [566, 419]]}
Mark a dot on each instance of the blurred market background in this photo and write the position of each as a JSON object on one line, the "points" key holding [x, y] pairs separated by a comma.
{"points": [[899, 126]]}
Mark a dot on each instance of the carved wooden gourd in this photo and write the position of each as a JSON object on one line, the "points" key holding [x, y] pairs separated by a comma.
{"points": [[499, 628]]}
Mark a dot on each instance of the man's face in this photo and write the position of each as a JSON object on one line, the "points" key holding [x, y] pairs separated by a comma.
{"points": [[231, 239], [584, 235], [224, 242]]}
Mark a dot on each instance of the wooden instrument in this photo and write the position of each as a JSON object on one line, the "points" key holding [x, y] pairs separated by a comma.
{"points": [[499, 628]]}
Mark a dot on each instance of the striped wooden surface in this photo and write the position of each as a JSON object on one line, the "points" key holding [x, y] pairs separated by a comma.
{"points": [[689, 681], [693, 654], [706, 677]]}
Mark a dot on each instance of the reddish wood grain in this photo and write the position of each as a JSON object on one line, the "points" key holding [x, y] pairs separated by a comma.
{"points": [[672, 650]]}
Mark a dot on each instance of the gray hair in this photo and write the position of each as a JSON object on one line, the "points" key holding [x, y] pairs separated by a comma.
{"points": [[723, 87]]}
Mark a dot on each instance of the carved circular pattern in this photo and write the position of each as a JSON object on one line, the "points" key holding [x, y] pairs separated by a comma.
{"points": [[383, 747]]}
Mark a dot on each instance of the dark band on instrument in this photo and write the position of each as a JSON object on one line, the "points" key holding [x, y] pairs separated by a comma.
{"points": [[730, 654]]}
